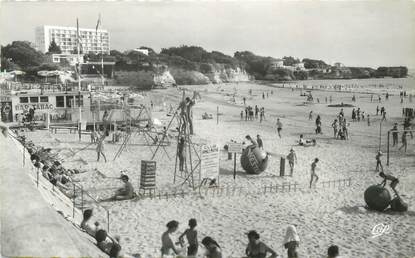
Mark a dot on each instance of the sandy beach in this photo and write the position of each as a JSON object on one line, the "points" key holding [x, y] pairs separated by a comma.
{"points": [[323, 215]]}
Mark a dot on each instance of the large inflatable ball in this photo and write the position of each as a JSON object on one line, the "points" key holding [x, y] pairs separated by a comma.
{"points": [[398, 205], [254, 160], [377, 197]]}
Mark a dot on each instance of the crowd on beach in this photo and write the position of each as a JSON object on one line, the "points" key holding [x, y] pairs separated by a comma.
{"points": [[52, 170], [255, 247]]}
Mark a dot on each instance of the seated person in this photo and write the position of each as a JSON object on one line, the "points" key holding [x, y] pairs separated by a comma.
{"points": [[64, 184], [90, 230], [107, 244], [124, 193], [253, 142], [46, 173]]}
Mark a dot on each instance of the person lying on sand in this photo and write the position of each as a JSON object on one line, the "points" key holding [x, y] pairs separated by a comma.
{"points": [[306, 143]]}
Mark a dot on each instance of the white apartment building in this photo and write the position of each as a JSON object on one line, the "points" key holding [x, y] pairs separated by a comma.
{"points": [[65, 38]]}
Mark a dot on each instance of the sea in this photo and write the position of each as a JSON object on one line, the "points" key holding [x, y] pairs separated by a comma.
{"points": [[392, 86]]}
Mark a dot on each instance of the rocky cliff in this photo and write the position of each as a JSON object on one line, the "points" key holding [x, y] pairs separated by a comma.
{"points": [[147, 79], [221, 74], [144, 79]]}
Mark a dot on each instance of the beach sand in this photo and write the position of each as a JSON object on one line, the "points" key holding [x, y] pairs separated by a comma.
{"points": [[323, 216]]}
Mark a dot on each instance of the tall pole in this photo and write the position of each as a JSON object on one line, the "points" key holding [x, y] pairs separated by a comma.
{"points": [[387, 155], [380, 134], [79, 79]]}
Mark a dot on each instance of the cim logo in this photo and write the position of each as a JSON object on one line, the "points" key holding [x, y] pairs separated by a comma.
{"points": [[381, 229], [40, 106]]}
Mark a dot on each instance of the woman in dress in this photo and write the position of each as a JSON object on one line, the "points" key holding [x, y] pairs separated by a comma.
{"points": [[291, 241]]}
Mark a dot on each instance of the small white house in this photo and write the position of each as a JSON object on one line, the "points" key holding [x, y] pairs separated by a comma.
{"points": [[277, 63], [299, 66], [142, 51]]}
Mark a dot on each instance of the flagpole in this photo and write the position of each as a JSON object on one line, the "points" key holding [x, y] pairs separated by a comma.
{"points": [[79, 79], [99, 22]]}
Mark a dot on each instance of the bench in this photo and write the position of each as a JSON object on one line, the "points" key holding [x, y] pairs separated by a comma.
{"points": [[56, 128]]}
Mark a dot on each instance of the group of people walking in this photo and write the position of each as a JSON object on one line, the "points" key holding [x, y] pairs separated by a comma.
{"points": [[253, 113]]}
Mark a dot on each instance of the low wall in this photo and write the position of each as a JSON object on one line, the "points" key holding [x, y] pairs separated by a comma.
{"points": [[29, 226]]}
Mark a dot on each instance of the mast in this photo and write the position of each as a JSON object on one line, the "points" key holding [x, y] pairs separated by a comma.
{"points": [[102, 49], [79, 78]]}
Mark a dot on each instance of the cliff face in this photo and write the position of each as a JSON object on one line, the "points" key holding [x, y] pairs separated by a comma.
{"points": [[223, 74], [189, 77], [168, 76], [144, 79]]}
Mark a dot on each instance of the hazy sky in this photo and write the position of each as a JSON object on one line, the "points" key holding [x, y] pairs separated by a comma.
{"points": [[370, 33]]}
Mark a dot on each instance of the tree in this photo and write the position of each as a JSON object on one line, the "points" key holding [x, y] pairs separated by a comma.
{"points": [[7, 64], [54, 48], [314, 64], [290, 61], [22, 54]]}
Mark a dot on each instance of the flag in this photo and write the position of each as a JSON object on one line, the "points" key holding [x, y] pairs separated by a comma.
{"points": [[78, 36], [98, 23]]}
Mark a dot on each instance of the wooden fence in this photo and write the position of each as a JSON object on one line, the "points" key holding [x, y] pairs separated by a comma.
{"points": [[230, 191]]}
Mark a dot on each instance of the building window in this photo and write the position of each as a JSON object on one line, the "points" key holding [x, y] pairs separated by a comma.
{"points": [[24, 100], [69, 100], [60, 101], [44, 99], [34, 99], [82, 101]]}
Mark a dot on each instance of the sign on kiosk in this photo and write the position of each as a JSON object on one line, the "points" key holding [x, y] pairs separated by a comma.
{"points": [[235, 147], [209, 162]]}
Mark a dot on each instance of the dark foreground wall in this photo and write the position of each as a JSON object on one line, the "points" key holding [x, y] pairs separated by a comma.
{"points": [[30, 226]]}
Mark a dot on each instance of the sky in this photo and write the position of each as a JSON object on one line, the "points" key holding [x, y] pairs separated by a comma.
{"points": [[356, 33]]}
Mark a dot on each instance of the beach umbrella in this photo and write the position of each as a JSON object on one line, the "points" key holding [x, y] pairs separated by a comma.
{"points": [[15, 73]]}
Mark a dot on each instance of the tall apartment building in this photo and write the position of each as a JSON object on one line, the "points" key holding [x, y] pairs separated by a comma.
{"points": [[65, 38]]}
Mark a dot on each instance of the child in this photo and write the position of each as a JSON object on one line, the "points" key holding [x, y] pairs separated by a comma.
{"points": [[394, 180], [191, 236], [292, 157], [378, 161], [212, 248], [313, 171]]}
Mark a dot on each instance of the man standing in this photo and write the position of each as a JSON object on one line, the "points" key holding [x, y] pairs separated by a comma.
{"points": [[180, 153], [292, 157], [395, 134], [404, 142], [100, 147], [279, 127], [189, 113], [313, 171], [310, 115]]}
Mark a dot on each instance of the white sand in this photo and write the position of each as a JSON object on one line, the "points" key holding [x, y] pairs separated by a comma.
{"points": [[323, 216]]}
